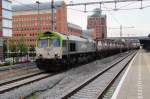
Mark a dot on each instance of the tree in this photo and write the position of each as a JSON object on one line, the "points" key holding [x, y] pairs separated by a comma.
{"points": [[4, 47], [32, 51], [22, 48], [12, 48], [4, 50]]}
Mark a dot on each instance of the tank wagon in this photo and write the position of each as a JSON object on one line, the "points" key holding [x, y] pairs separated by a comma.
{"points": [[55, 51]]}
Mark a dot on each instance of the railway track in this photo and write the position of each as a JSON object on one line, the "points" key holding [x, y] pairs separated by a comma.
{"points": [[16, 83], [96, 86], [19, 78], [13, 72], [17, 66]]}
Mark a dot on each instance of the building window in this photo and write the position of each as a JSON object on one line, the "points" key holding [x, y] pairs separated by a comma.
{"points": [[7, 23], [6, 5], [7, 14], [7, 32]]}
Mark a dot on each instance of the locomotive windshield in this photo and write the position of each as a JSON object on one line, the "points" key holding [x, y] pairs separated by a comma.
{"points": [[54, 42], [43, 43]]}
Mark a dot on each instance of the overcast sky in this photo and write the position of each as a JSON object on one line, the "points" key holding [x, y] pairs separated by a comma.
{"points": [[137, 18]]}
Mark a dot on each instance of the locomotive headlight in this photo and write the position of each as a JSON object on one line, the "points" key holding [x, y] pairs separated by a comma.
{"points": [[40, 56], [56, 56], [55, 53]]}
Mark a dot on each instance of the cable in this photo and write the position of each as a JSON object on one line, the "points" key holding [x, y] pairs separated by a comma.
{"points": [[107, 9], [127, 5], [76, 10], [147, 6]]}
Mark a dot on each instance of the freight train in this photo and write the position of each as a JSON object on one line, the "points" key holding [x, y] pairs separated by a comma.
{"points": [[55, 51]]}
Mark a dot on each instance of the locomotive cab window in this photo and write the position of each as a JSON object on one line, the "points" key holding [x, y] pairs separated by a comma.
{"points": [[43, 43], [72, 46], [54, 42]]}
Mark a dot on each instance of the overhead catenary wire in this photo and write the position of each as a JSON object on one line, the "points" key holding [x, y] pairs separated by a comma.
{"points": [[127, 5], [85, 10], [102, 7], [112, 9]]}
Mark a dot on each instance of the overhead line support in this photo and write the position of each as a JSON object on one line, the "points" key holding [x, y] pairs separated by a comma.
{"points": [[101, 2]]}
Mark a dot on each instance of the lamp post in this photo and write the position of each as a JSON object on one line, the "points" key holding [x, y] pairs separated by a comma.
{"points": [[120, 30], [52, 15], [39, 25]]}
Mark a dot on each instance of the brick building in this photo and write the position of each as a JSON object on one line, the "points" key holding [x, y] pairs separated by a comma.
{"points": [[27, 22], [74, 29], [97, 21], [89, 33], [5, 22]]}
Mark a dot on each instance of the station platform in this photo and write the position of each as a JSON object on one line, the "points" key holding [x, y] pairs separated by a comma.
{"points": [[135, 83]]}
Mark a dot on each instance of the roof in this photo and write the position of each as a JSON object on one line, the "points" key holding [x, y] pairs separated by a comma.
{"points": [[28, 7], [71, 25], [97, 13], [93, 16], [138, 37], [72, 37]]}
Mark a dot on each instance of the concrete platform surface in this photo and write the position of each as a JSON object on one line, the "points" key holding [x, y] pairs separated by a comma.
{"points": [[135, 84]]}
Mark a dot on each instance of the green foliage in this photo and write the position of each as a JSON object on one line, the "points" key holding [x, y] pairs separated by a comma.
{"points": [[22, 47], [4, 48], [5, 64], [32, 97], [32, 49], [12, 46]]}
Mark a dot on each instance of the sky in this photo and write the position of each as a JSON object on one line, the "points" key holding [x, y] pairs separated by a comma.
{"points": [[135, 22]]}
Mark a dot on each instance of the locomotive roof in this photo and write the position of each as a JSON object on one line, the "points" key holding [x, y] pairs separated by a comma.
{"points": [[69, 37], [74, 38]]}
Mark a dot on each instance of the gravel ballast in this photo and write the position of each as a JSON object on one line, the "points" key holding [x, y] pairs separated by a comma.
{"points": [[55, 86]]}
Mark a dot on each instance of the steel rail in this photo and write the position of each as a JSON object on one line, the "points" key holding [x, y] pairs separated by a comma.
{"points": [[114, 79], [17, 66], [82, 85], [12, 86], [20, 78]]}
